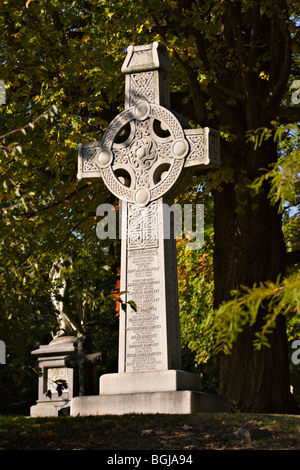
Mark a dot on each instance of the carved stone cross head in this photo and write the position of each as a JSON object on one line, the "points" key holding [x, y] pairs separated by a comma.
{"points": [[145, 149]]}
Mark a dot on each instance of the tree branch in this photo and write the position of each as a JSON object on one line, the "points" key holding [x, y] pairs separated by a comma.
{"points": [[292, 257], [31, 124], [281, 56], [198, 95], [234, 20], [215, 91], [287, 114], [254, 36]]}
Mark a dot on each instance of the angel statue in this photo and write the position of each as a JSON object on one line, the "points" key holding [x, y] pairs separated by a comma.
{"points": [[70, 314]]}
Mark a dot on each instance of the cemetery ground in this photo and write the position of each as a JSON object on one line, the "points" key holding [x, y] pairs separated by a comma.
{"points": [[200, 431]]}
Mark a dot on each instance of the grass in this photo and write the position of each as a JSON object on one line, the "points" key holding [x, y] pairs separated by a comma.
{"points": [[201, 431]]}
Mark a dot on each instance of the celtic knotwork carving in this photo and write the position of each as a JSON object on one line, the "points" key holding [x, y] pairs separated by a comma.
{"points": [[142, 86], [115, 186], [142, 149], [144, 146], [168, 182], [115, 126], [197, 147], [121, 156], [142, 231], [89, 163], [166, 116]]}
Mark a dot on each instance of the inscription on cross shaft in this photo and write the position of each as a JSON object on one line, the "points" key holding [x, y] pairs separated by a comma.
{"points": [[145, 158]]}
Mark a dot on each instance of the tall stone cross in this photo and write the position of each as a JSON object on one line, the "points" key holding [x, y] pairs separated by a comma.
{"points": [[145, 157]]}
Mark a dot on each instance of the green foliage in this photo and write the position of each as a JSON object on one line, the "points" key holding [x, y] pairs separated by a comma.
{"points": [[57, 95], [277, 298], [284, 174], [283, 296], [195, 280]]}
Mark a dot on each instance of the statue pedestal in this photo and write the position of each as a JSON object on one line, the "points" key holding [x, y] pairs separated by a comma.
{"points": [[51, 359]]}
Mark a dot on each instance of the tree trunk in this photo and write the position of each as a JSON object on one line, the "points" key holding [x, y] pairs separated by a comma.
{"points": [[249, 248]]}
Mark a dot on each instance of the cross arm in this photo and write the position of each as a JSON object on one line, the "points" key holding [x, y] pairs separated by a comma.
{"points": [[90, 359], [94, 359], [87, 160], [204, 150], [204, 153]]}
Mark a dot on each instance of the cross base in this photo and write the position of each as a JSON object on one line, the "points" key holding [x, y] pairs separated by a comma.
{"points": [[176, 402], [150, 381]]}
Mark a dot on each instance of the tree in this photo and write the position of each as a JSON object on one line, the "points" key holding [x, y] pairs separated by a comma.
{"points": [[232, 64], [238, 58], [46, 212], [281, 297]]}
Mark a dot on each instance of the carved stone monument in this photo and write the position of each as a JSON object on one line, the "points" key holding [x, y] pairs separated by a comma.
{"points": [[145, 157], [58, 383], [53, 372]]}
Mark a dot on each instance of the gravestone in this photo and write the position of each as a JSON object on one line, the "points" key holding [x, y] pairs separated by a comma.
{"points": [[146, 156], [53, 371], [58, 383], [66, 371]]}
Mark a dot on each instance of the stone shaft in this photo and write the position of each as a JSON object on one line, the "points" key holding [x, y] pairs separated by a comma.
{"points": [[150, 336]]}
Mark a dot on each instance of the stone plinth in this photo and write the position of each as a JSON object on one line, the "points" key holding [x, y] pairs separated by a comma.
{"points": [[51, 361], [176, 402], [156, 381]]}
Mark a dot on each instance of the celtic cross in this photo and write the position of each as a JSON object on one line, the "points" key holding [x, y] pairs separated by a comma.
{"points": [[145, 157]]}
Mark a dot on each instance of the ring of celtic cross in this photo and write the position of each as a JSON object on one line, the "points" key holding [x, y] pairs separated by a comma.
{"points": [[142, 153]]}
